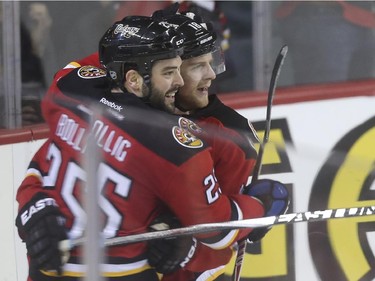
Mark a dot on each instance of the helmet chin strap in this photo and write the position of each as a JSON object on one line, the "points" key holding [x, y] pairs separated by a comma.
{"points": [[122, 87], [147, 82]]}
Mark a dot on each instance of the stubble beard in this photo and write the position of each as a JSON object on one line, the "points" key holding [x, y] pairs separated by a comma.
{"points": [[157, 99]]}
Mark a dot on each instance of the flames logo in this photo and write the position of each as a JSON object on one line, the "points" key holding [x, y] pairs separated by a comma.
{"points": [[185, 132]]}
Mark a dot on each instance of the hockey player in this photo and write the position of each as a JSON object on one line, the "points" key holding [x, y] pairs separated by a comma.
{"points": [[150, 161], [230, 134], [234, 159], [233, 173]]}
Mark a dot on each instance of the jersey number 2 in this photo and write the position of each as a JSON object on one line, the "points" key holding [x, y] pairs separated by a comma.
{"points": [[75, 173]]}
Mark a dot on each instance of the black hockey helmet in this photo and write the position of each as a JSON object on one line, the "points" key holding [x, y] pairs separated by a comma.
{"points": [[200, 37], [136, 42]]}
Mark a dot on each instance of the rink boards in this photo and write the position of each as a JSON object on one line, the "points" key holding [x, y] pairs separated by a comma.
{"points": [[323, 149]]}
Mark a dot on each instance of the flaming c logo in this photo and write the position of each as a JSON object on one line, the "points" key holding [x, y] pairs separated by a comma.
{"points": [[185, 138], [345, 249], [184, 133]]}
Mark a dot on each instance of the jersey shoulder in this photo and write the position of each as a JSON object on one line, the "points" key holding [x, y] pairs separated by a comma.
{"points": [[168, 136], [92, 60], [87, 81], [229, 117], [165, 134]]}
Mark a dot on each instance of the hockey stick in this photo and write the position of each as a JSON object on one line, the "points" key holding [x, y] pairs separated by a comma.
{"points": [[258, 164], [309, 216], [271, 93]]}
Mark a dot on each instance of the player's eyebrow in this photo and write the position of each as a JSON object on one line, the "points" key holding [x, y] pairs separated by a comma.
{"points": [[169, 68]]}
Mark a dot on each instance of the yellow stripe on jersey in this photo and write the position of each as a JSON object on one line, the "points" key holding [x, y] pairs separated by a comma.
{"points": [[72, 64], [230, 237], [212, 274], [31, 172], [109, 270]]}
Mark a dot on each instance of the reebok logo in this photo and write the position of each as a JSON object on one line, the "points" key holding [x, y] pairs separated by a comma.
{"points": [[111, 104]]}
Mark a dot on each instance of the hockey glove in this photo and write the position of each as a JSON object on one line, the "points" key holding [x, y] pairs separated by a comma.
{"points": [[40, 225], [275, 199], [169, 255]]}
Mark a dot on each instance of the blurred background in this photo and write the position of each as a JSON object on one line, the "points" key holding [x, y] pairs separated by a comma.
{"points": [[323, 121], [329, 41]]}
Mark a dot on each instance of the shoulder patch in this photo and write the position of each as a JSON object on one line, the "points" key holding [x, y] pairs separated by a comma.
{"points": [[89, 72], [185, 138], [189, 125], [185, 132]]}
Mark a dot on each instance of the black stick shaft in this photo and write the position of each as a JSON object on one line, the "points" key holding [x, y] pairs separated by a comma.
{"points": [[258, 164]]}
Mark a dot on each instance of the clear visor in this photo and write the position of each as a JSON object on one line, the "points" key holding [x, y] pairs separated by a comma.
{"points": [[218, 60]]}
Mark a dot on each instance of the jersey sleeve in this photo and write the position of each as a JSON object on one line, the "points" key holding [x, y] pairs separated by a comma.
{"points": [[33, 180], [205, 261], [232, 137], [92, 60], [207, 258], [233, 155], [194, 196]]}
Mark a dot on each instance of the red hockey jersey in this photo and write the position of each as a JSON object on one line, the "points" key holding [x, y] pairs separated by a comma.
{"points": [[149, 163], [232, 138]]}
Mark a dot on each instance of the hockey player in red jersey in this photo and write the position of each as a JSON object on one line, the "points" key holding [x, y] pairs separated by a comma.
{"points": [[150, 161], [230, 134], [233, 151], [234, 167]]}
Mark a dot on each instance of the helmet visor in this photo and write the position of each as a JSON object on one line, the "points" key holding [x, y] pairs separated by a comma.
{"points": [[218, 60]]}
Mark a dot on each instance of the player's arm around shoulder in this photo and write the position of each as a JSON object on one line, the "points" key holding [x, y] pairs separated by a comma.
{"points": [[193, 196], [197, 198], [191, 190]]}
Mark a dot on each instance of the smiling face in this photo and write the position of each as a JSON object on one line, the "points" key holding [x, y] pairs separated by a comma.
{"points": [[198, 75], [165, 82]]}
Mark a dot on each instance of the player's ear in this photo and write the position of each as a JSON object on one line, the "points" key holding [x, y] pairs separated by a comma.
{"points": [[133, 80]]}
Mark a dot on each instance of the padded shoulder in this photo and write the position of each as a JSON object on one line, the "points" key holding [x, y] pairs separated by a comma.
{"points": [[88, 81]]}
